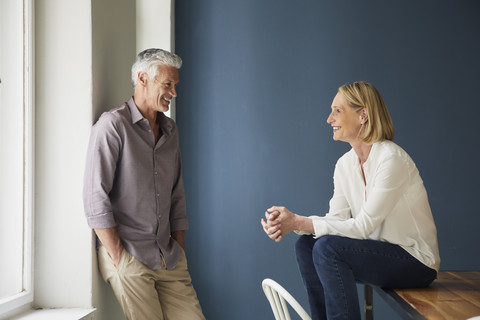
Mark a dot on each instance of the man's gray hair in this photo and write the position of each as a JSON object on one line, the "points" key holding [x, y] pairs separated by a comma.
{"points": [[149, 60]]}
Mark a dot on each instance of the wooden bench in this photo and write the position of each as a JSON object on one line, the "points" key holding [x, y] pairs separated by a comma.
{"points": [[454, 295]]}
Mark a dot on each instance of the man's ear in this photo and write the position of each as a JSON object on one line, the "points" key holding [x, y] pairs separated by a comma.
{"points": [[142, 78]]}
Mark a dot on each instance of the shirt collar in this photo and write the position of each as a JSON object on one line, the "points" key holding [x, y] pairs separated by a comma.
{"points": [[165, 123], [137, 116], [370, 156]]}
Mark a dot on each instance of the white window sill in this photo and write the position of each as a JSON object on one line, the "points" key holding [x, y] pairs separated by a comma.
{"points": [[56, 314]]}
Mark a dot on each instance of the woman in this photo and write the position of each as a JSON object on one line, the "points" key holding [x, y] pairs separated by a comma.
{"points": [[379, 228]]}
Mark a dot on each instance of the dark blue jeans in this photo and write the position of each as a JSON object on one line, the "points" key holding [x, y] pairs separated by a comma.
{"points": [[332, 265]]}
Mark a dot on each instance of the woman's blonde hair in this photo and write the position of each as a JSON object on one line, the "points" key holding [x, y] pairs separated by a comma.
{"points": [[361, 95]]}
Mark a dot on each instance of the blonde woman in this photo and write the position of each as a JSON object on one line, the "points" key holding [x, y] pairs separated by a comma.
{"points": [[379, 228]]}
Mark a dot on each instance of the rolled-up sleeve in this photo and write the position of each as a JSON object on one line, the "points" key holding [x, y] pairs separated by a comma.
{"points": [[102, 155], [178, 212]]}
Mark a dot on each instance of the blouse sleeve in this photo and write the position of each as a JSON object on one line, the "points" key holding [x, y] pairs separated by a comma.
{"points": [[389, 182]]}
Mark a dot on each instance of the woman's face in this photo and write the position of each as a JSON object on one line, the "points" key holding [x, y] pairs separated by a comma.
{"points": [[345, 121]]}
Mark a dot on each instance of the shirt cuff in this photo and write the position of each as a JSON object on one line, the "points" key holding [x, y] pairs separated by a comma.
{"points": [[301, 233], [178, 225], [320, 227], [101, 221], [315, 221]]}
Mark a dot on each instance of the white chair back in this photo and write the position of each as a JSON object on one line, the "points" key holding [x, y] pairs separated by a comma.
{"points": [[278, 296]]}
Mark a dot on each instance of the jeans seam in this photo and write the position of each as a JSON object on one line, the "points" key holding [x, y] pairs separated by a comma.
{"points": [[397, 257], [344, 297]]}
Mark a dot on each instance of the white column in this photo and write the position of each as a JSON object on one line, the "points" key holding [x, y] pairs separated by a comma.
{"points": [[155, 28], [154, 24]]}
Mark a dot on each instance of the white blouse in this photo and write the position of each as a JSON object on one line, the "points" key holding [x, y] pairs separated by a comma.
{"points": [[392, 206]]}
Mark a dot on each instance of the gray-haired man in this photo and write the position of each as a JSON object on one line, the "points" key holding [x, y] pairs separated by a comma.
{"points": [[134, 197]]}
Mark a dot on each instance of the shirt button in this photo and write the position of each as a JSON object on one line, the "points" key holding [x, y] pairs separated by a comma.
{"points": [[158, 194]]}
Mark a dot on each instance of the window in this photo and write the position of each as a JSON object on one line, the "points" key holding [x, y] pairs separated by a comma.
{"points": [[16, 161]]}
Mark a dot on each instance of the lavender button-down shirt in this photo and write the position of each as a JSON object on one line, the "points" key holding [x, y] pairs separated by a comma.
{"points": [[135, 185]]}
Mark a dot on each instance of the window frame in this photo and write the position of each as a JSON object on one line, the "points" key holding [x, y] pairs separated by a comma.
{"points": [[25, 297]]}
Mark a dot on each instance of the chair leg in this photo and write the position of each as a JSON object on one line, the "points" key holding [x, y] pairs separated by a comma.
{"points": [[368, 302]]}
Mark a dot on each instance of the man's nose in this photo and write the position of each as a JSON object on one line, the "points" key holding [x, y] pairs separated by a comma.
{"points": [[173, 92]]}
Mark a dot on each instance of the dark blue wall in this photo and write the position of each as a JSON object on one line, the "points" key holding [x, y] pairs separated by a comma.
{"points": [[256, 87]]}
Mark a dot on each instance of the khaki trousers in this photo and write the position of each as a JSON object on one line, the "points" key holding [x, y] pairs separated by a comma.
{"points": [[146, 294]]}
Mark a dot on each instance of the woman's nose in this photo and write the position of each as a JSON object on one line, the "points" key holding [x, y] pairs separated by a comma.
{"points": [[329, 119]]}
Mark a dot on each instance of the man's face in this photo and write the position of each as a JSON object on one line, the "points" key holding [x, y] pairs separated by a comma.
{"points": [[161, 90]]}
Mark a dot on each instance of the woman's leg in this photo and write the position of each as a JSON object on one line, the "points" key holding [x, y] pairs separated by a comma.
{"points": [[334, 264], [316, 297], [341, 262]]}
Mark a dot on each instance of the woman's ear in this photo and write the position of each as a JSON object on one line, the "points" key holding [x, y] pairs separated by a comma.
{"points": [[364, 115]]}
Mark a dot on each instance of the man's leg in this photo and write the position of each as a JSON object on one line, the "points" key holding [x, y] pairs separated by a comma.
{"points": [[133, 285], [176, 293]]}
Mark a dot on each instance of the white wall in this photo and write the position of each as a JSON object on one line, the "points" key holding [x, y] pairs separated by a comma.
{"points": [[154, 24], [63, 255], [11, 137], [113, 38], [84, 51]]}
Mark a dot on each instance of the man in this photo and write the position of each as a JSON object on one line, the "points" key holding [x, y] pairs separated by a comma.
{"points": [[134, 197]]}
